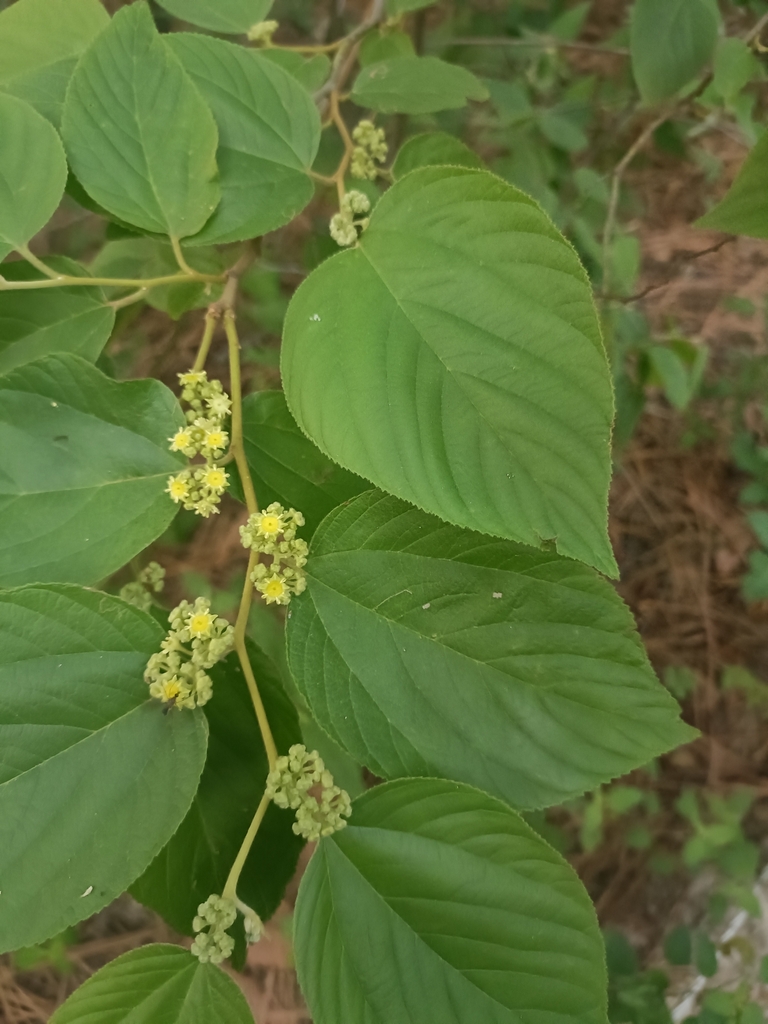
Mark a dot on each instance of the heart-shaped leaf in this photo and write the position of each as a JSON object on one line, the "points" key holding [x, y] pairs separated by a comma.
{"points": [[438, 904], [127, 93], [94, 778], [488, 404]]}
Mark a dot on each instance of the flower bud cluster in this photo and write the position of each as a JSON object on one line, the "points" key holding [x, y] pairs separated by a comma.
{"points": [[200, 487], [212, 944], [196, 640], [139, 593], [371, 148], [262, 32], [343, 224], [289, 785], [273, 532], [254, 926]]}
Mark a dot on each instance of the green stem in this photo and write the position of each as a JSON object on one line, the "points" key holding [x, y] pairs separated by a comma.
{"points": [[211, 319], [37, 263], [230, 887], [238, 451], [136, 296], [236, 446], [67, 281], [183, 265]]}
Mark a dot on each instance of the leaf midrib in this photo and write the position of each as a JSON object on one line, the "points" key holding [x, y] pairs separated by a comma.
{"points": [[18, 495]]}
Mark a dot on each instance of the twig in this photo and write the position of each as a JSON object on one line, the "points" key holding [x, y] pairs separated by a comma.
{"points": [[756, 31], [232, 279], [618, 174], [637, 145], [347, 53], [681, 261], [338, 120]]}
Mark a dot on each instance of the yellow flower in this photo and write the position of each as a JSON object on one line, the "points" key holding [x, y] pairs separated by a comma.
{"points": [[273, 589], [178, 488], [269, 525], [215, 478], [181, 439], [193, 377], [200, 624], [170, 689], [216, 439]]}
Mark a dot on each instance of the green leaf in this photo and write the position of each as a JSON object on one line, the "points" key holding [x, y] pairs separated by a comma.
{"points": [[127, 93], [287, 467], [423, 649], [704, 954], [381, 45], [758, 520], [37, 323], [679, 385], [561, 125], [678, 947], [570, 23], [232, 17], [489, 405], [754, 585], [269, 132], [671, 41], [395, 7], [196, 861], [735, 66], [84, 463], [311, 72], [416, 85], [744, 211], [40, 43], [621, 958], [94, 778], [433, 149], [156, 983], [148, 257], [438, 904], [33, 173]]}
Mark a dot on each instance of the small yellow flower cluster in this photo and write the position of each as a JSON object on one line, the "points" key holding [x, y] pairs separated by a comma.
{"points": [[343, 224], [289, 785], [200, 487], [262, 32], [371, 148], [212, 944], [273, 532], [139, 593], [196, 640]]}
